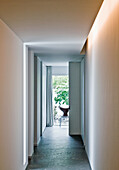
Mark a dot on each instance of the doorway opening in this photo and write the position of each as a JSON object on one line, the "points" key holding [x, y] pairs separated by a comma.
{"points": [[60, 89]]}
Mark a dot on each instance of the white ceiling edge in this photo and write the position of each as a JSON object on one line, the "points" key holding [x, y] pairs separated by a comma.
{"points": [[49, 56], [56, 47], [56, 64], [57, 60], [32, 44], [60, 70]]}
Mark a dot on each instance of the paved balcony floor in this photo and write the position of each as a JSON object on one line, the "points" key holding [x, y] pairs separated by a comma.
{"points": [[59, 151]]}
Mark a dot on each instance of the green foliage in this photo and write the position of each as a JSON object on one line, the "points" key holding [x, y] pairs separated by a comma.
{"points": [[60, 84]]}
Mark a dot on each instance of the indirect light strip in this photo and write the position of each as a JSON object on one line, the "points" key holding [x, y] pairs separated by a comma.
{"points": [[52, 43], [103, 15], [24, 104], [92, 114]]}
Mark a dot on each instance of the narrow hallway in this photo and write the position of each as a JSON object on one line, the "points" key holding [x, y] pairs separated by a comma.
{"points": [[58, 150]]}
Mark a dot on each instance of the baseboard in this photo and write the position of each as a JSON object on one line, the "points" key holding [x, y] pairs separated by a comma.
{"points": [[88, 157], [29, 158], [43, 130], [26, 165], [82, 140], [74, 134], [36, 144]]}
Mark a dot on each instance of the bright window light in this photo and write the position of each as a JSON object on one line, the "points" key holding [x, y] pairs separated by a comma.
{"points": [[24, 105]]}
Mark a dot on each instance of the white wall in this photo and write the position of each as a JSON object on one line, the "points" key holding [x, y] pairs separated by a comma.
{"points": [[49, 103], [82, 100], [37, 100], [11, 106], [30, 102], [102, 89], [43, 97], [59, 70], [75, 98]]}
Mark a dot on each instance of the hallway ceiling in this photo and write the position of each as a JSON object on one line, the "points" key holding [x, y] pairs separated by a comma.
{"points": [[59, 60], [57, 54], [51, 20]]}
